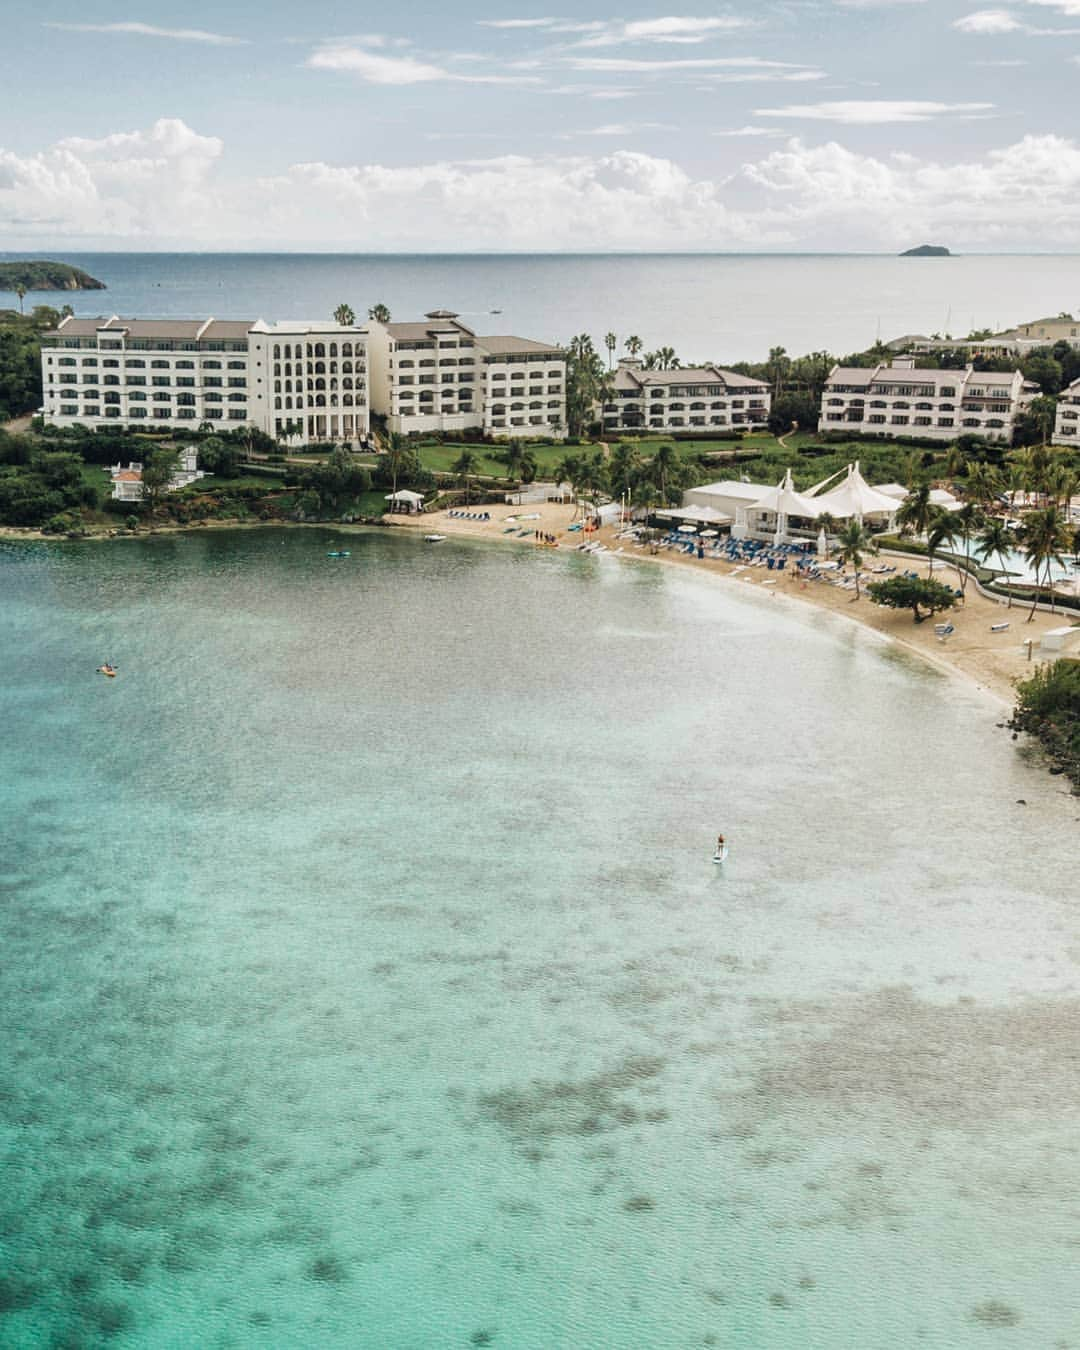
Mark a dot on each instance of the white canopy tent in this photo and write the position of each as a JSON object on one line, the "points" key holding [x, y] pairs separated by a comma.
{"points": [[405, 501], [853, 498], [783, 501]]}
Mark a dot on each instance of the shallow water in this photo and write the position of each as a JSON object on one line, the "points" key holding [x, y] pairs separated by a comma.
{"points": [[366, 981]]}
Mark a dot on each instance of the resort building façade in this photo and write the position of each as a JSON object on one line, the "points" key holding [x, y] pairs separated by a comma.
{"points": [[1067, 427], [696, 399], [900, 400], [440, 375], [294, 381]]}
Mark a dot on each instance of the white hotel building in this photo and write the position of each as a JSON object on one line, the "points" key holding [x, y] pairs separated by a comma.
{"points": [[294, 381], [899, 400], [439, 375], [698, 399], [1067, 427]]}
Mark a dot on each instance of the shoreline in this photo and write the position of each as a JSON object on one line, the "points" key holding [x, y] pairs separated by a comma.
{"points": [[991, 662]]}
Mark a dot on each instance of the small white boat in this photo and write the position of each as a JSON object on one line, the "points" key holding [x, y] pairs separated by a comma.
{"points": [[721, 854], [434, 538]]}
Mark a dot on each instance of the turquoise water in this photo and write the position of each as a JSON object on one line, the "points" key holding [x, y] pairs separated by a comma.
{"points": [[365, 980], [709, 307]]}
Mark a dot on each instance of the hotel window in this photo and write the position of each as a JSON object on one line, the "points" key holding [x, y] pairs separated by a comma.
{"points": [[159, 365], [69, 410]]}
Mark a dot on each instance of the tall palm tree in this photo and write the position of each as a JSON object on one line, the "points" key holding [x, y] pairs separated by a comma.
{"points": [[465, 466], [20, 291], [623, 468], [995, 540], [395, 456], [582, 346], [917, 513], [344, 315], [633, 344], [777, 366], [513, 456], [1044, 538], [943, 533], [568, 470], [379, 313], [593, 478], [967, 520], [610, 342], [854, 541], [665, 465]]}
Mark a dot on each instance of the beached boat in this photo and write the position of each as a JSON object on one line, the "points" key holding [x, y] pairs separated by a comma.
{"points": [[434, 538], [340, 553]]}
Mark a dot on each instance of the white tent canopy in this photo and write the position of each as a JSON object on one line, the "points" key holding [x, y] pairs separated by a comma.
{"points": [[404, 495], [783, 500], [938, 496], [854, 497]]}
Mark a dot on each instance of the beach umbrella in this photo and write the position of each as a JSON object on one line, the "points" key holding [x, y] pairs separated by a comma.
{"points": [[709, 534], [688, 529]]}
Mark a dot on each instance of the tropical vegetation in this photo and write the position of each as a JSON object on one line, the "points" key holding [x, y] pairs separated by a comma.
{"points": [[1048, 706]]}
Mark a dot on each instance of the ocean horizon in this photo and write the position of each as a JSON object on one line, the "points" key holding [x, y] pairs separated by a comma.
{"points": [[720, 307]]}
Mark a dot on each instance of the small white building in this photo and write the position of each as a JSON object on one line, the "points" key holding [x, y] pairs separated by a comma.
{"points": [[900, 400], [1067, 426], [127, 484]]}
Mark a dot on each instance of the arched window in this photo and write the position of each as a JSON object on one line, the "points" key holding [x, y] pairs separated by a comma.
{"points": [[320, 349], [288, 403], [320, 383], [277, 403], [277, 351], [333, 385], [320, 400], [346, 349], [346, 367], [346, 383], [347, 400], [333, 349]]}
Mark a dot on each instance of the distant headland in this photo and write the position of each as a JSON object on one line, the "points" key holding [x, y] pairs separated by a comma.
{"points": [[46, 276], [927, 251]]}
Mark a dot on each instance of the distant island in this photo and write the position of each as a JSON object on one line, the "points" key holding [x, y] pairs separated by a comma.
{"points": [[927, 251], [46, 276]]}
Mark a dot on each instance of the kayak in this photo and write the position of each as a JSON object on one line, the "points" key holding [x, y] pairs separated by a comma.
{"points": [[110, 671], [340, 553]]}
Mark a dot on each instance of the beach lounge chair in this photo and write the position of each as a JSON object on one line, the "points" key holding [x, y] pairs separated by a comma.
{"points": [[943, 631], [998, 627]]}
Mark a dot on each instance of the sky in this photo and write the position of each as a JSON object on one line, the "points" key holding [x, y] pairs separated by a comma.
{"points": [[779, 125]]}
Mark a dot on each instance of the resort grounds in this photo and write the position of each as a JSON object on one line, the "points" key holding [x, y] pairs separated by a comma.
{"points": [[992, 661]]}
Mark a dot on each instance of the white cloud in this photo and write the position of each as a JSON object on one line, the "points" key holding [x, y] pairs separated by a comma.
{"points": [[670, 29], [631, 65], [149, 30], [375, 68], [170, 185], [515, 23], [989, 22], [1069, 8], [874, 112], [774, 133]]}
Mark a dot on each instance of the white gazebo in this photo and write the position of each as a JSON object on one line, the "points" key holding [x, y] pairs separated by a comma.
{"points": [[405, 502]]}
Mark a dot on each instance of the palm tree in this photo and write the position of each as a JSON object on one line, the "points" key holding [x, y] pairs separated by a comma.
{"points": [[666, 358], [633, 344], [592, 477], [664, 467], [568, 470], [623, 468], [345, 316], [777, 366], [610, 342], [983, 483], [465, 466], [395, 456], [917, 512], [952, 464], [994, 540], [379, 313], [1044, 539], [20, 291], [515, 453], [943, 532], [854, 541], [967, 519]]}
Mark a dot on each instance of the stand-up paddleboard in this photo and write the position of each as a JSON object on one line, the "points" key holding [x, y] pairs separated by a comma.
{"points": [[721, 854]]}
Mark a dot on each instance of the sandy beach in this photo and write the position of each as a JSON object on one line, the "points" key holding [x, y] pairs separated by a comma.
{"points": [[992, 661]]}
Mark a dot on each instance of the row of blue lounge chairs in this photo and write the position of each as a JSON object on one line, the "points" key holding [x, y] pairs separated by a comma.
{"points": [[470, 515]]}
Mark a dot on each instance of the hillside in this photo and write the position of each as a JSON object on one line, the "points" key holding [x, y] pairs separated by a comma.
{"points": [[46, 276]]}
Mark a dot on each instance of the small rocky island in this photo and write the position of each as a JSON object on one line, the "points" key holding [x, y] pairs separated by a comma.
{"points": [[927, 251], [46, 276]]}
